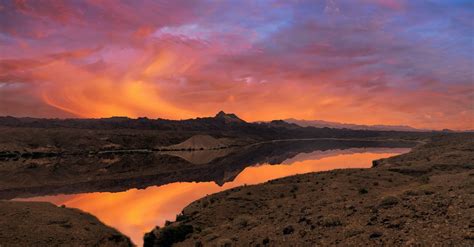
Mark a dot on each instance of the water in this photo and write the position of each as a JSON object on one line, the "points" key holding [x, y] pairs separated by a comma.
{"points": [[136, 211]]}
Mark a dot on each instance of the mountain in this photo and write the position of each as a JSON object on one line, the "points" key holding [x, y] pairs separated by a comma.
{"points": [[221, 120], [336, 125], [228, 117]]}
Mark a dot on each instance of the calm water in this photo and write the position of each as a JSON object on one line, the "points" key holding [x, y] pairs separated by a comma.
{"points": [[136, 211]]}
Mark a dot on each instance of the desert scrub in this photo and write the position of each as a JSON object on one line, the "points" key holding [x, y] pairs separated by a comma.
{"points": [[206, 231], [330, 221], [388, 202], [294, 188], [363, 191], [181, 217], [244, 221], [424, 179], [168, 235], [288, 230], [224, 242]]}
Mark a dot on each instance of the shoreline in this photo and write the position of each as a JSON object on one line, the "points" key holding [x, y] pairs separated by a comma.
{"points": [[7, 155], [111, 172]]}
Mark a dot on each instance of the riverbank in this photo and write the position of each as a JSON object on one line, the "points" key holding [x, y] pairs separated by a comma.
{"points": [[112, 172], [423, 197]]}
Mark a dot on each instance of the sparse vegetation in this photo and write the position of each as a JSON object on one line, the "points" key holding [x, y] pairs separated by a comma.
{"points": [[388, 202], [363, 191], [331, 221], [167, 236], [288, 230]]}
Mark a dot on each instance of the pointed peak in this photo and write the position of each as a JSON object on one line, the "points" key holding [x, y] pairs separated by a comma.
{"points": [[221, 114], [229, 117]]}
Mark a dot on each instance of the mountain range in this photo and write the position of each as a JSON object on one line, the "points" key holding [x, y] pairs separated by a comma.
{"points": [[45, 137], [336, 125]]}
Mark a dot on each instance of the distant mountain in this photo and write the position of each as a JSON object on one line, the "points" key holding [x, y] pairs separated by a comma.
{"points": [[336, 125], [283, 124], [221, 121]]}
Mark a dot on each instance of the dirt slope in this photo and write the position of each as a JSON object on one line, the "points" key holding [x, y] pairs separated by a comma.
{"points": [[200, 157], [201, 142]]}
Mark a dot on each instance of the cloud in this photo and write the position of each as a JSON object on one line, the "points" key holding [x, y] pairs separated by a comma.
{"points": [[368, 62]]}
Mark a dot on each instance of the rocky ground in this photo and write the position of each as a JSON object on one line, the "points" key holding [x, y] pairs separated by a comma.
{"points": [[423, 198], [44, 224]]}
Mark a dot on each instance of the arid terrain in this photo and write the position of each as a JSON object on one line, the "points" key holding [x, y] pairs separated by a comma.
{"points": [[392, 203], [422, 198]]}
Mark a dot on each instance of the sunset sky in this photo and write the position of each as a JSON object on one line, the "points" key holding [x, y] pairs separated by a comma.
{"points": [[366, 62]]}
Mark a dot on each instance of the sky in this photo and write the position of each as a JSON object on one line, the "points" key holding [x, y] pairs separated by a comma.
{"points": [[390, 62]]}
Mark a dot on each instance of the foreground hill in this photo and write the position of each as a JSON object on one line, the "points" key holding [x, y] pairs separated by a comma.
{"points": [[425, 197], [44, 224]]}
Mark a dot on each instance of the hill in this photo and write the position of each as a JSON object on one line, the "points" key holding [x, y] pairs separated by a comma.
{"points": [[44, 224]]}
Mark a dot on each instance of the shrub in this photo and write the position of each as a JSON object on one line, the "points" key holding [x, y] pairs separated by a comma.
{"points": [[244, 221], [225, 242], [363, 191], [288, 230], [388, 202], [167, 236], [181, 217], [331, 221]]}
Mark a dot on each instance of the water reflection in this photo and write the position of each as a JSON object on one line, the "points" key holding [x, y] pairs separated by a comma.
{"points": [[134, 212]]}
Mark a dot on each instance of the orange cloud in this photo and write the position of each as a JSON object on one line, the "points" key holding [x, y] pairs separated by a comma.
{"points": [[94, 95]]}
